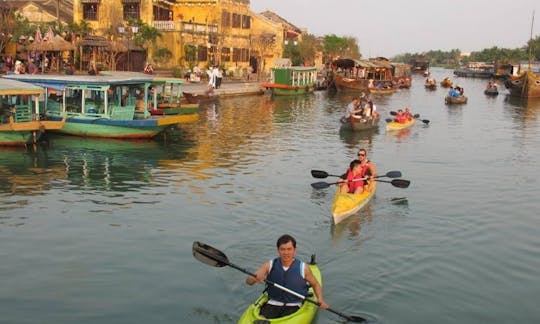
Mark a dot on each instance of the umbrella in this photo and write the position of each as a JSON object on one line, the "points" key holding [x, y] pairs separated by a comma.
{"points": [[55, 44]]}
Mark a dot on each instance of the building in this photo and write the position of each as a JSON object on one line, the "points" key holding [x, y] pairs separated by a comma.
{"points": [[194, 32]]}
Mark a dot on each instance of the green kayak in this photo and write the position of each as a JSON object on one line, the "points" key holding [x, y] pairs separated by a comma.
{"points": [[304, 315]]}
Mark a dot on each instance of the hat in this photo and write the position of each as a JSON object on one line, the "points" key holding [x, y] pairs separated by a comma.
{"points": [[18, 62]]}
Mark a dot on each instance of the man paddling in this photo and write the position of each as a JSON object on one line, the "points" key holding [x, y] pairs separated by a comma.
{"points": [[289, 272]]}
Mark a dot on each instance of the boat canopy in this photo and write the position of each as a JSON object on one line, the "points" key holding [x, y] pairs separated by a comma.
{"points": [[350, 63], [11, 87]]}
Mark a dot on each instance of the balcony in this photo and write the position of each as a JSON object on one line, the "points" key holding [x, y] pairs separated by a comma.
{"points": [[193, 28]]}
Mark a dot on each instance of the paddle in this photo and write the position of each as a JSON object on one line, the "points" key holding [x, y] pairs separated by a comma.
{"points": [[214, 257], [415, 116], [323, 174], [399, 183]]}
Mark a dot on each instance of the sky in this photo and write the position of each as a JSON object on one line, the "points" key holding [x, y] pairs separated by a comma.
{"points": [[392, 27]]}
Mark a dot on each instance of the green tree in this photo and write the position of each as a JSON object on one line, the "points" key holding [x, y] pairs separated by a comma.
{"points": [[335, 46]]}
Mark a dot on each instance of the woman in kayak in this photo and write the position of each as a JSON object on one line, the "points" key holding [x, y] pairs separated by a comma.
{"points": [[354, 180], [289, 272]]}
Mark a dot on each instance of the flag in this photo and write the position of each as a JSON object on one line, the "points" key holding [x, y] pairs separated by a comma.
{"points": [[38, 37], [50, 34]]}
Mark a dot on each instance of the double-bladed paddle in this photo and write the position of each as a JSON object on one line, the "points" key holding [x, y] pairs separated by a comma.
{"points": [[415, 116], [214, 257], [399, 183], [323, 174]]}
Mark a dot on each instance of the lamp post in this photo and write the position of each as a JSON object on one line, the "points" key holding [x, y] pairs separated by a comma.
{"points": [[134, 29]]}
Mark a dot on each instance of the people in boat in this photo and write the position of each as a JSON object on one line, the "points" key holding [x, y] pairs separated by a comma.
{"points": [[407, 114], [370, 110], [400, 117], [353, 108], [290, 273], [453, 92], [369, 171], [354, 180]]}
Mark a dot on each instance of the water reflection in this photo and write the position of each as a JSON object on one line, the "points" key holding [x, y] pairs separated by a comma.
{"points": [[355, 139], [352, 226], [524, 110]]}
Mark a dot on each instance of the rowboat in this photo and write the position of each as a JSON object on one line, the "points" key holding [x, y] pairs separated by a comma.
{"points": [[196, 98], [455, 100], [397, 126], [357, 123], [305, 314], [106, 105], [20, 123], [493, 91], [446, 83], [346, 204], [291, 80]]}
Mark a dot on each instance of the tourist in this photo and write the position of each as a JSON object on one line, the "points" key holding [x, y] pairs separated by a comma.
{"points": [[352, 109], [290, 273], [354, 179]]}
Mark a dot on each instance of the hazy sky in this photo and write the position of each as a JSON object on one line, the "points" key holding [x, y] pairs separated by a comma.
{"points": [[391, 27]]}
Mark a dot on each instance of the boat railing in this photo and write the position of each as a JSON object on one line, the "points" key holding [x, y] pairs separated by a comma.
{"points": [[23, 113], [122, 113]]}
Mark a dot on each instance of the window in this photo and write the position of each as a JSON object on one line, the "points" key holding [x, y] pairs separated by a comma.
{"points": [[236, 19], [225, 19], [225, 54], [202, 53], [90, 11], [131, 11], [240, 54], [246, 22]]}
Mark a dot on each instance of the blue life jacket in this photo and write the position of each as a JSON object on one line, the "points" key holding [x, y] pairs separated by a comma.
{"points": [[292, 279]]}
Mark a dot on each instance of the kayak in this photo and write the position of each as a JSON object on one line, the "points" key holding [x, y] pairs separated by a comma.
{"points": [[346, 204], [304, 315], [397, 126]]}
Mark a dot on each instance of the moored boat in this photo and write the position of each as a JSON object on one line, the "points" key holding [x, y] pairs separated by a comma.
{"points": [[357, 75], [196, 98], [291, 80], [20, 122], [346, 204], [305, 314], [166, 98], [107, 106], [525, 85], [430, 84], [449, 100], [492, 91], [393, 125]]}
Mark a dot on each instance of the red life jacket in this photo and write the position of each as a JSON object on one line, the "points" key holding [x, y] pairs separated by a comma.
{"points": [[353, 185]]}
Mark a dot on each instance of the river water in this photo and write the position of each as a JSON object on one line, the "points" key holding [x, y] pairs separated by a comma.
{"points": [[97, 231]]}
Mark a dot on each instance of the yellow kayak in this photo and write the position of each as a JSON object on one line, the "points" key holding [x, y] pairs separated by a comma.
{"points": [[398, 126], [346, 204]]}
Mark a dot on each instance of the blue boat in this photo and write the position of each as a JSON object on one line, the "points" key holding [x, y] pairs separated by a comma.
{"points": [[107, 105]]}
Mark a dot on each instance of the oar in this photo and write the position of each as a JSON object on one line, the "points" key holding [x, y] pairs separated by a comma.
{"points": [[323, 174], [214, 257], [415, 116], [399, 183]]}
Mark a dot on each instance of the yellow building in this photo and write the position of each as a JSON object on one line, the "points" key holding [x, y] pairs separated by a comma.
{"points": [[196, 32]]}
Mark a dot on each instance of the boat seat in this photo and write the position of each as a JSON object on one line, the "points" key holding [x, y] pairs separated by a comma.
{"points": [[122, 113], [22, 113], [54, 108]]}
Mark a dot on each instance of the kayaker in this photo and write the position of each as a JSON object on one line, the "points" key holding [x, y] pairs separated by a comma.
{"points": [[369, 170], [408, 114], [354, 180], [289, 272], [400, 117]]}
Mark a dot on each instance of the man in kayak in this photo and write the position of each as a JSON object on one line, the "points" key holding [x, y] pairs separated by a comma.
{"points": [[289, 272], [368, 169]]}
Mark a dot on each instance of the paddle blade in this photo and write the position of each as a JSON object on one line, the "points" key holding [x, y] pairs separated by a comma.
{"points": [[356, 319], [425, 121], [416, 115], [400, 183], [393, 113], [392, 174], [319, 174], [320, 185], [209, 255], [389, 120]]}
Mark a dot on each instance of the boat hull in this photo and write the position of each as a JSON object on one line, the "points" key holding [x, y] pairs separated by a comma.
{"points": [[305, 314], [287, 90], [19, 138], [358, 124], [391, 126], [526, 85], [346, 204], [346, 84], [194, 98], [455, 100]]}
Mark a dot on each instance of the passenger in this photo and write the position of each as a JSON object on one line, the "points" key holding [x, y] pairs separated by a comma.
{"points": [[354, 180], [352, 109], [368, 170], [370, 111], [288, 272], [407, 114], [400, 117]]}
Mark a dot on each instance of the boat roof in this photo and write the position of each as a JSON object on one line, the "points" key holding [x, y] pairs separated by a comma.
{"points": [[167, 80], [59, 82], [297, 68], [12, 87], [350, 63]]}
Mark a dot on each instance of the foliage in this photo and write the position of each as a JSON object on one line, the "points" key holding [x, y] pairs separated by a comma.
{"points": [[291, 51], [163, 54], [308, 48], [12, 25], [335, 46]]}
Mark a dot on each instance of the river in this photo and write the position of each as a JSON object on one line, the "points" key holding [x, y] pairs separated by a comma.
{"points": [[98, 231]]}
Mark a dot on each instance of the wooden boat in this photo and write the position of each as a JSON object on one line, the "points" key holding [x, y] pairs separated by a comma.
{"points": [[346, 204], [492, 91], [382, 90], [291, 80], [446, 83], [419, 64], [356, 75], [401, 75], [20, 122], [525, 85], [476, 70], [166, 98], [430, 85], [196, 98], [305, 314], [391, 126], [108, 106], [449, 100], [357, 123]]}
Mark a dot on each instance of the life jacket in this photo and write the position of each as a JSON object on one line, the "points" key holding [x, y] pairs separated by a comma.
{"points": [[353, 185], [292, 278]]}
